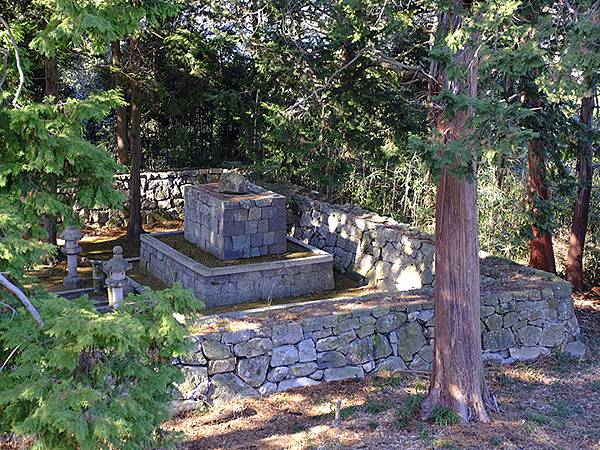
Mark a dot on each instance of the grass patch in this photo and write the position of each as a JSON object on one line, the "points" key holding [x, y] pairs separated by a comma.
{"points": [[299, 428], [595, 386], [561, 361], [373, 425], [444, 417], [410, 407], [495, 441], [376, 406], [179, 243], [443, 443], [537, 418], [389, 379], [566, 409]]}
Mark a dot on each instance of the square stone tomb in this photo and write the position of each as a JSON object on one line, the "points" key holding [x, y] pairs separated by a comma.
{"points": [[232, 226]]}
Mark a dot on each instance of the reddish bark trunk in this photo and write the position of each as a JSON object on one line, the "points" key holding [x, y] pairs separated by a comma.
{"points": [[120, 113], [541, 250], [457, 380], [582, 202], [134, 227]]}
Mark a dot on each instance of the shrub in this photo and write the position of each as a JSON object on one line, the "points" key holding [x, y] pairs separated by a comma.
{"points": [[89, 380]]}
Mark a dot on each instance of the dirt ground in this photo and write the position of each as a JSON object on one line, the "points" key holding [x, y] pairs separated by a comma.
{"points": [[551, 403]]}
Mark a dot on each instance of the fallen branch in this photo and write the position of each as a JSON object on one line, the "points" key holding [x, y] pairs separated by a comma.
{"points": [[22, 297]]}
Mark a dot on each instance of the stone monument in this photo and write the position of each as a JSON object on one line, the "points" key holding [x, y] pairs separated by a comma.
{"points": [[71, 236], [115, 269], [233, 220], [230, 223]]}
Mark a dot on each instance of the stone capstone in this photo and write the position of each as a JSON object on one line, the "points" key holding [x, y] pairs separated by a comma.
{"points": [[253, 347], [221, 365], [381, 346], [287, 333], [233, 183], [552, 335], [391, 364], [528, 335], [331, 359], [335, 342], [360, 351], [295, 382], [195, 384], [277, 374], [307, 351], [215, 350], [390, 322], [343, 373], [494, 341], [302, 369]]}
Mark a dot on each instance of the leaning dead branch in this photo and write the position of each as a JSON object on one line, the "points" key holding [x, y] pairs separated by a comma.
{"points": [[18, 61], [13, 289]]}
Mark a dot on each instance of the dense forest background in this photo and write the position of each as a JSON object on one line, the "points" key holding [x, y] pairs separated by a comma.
{"points": [[331, 96]]}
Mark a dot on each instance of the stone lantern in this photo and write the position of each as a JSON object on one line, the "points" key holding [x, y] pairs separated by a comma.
{"points": [[71, 236], [115, 269]]}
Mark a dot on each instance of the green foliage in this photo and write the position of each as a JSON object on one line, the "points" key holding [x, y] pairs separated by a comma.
{"points": [[411, 406], [537, 418], [444, 417], [89, 380], [20, 240], [376, 406], [94, 24]]}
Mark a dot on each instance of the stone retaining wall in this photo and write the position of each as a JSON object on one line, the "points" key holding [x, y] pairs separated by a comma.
{"points": [[386, 253], [162, 196], [525, 313]]}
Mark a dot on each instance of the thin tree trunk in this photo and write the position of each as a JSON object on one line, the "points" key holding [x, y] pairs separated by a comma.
{"points": [[541, 249], [585, 172], [134, 228], [121, 113], [457, 380], [50, 89]]}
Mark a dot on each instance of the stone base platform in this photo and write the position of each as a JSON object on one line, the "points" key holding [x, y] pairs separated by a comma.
{"points": [[230, 285], [525, 313]]}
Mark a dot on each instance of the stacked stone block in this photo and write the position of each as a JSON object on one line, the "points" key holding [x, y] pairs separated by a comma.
{"points": [[162, 195], [235, 226], [525, 315]]}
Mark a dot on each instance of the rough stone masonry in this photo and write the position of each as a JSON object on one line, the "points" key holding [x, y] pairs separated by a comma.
{"points": [[525, 313], [232, 226]]}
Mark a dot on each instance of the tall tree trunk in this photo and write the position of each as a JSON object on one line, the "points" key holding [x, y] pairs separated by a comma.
{"points": [[134, 228], [457, 381], [121, 113], [582, 202], [50, 89], [541, 250]]}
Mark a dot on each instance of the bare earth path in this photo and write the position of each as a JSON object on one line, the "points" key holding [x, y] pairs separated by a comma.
{"points": [[552, 403]]}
